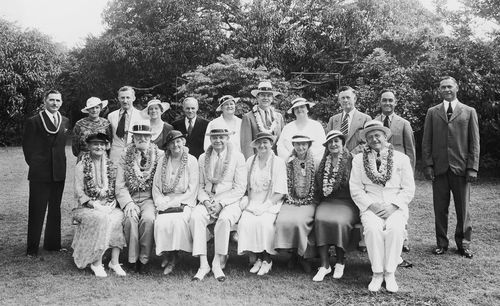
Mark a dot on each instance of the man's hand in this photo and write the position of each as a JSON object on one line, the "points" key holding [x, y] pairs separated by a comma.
{"points": [[132, 211], [387, 211], [471, 175], [376, 207], [429, 173]]}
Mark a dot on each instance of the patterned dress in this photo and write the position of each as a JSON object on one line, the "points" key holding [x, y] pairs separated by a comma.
{"points": [[83, 128]]}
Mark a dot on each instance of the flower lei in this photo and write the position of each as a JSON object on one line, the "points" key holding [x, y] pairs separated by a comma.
{"points": [[225, 165], [381, 176], [332, 176], [166, 187], [271, 176], [260, 123], [89, 178], [140, 178], [294, 169], [59, 119]]}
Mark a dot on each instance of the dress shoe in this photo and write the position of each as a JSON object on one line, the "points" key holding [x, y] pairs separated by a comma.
{"points": [[406, 248], [141, 268], [98, 270], [338, 272], [256, 266], [202, 272], [376, 283], [306, 265], [362, 249], [390, 282], [465, 252], [165, 262], [322, 272], [265, 268], [117, 268], [169, 268], [439, 251], [218, 274], [405, 264]]}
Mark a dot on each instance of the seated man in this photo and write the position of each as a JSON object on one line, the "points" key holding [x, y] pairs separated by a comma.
{"points": [[223, 182], [134, 180], [382, 186]]}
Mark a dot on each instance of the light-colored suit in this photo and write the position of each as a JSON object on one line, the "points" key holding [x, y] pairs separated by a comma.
{"points": [[249, 130], [357, 123], [118, 144], [451, 148], [384, 238], [402, 137]]}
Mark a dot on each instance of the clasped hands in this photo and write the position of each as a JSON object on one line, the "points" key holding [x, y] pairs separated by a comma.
{"points": [[213, 208], [383, 210], [108, 207], [133, 211]]}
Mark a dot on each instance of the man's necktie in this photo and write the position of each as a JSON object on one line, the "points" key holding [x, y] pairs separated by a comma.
{"points": [[55, 120], [267, 118], [378, 161], [449, 111], [120, 129], [190, 126], [386, 121], [216, 172], [143, 160], [344, 127]]}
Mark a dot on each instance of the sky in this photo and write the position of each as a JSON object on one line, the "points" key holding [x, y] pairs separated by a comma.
{"points": [[71, 21]]}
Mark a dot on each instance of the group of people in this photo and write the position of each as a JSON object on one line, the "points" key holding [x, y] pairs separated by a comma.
{"points": [[142, 183]]}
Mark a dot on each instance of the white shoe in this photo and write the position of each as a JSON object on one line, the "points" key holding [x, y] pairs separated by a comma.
{"points": [[118, 269], [256, 266], [265, 268], [390, 282], [322, 272], [202, 272], [339, 271], [98, 270], [376, 282]]}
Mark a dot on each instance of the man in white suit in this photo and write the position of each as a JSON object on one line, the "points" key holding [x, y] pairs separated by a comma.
{"points": [[121, 120], [382, 186]]}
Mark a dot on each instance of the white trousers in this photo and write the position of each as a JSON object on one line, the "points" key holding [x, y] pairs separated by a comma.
{"points": [[384, 240]]}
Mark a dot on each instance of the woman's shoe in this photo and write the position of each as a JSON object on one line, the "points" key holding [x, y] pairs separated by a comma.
{"points": [[339, 271], [322, 272], [390, 282], [265, 268], [117, 268], [376, 282], [98, 270], [256, 266]]}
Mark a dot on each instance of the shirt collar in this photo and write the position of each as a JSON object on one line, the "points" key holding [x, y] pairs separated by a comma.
{"points": [[350, 113], [390, 116], [186, 120], [50, 115], [221, 154], [453, 104]]}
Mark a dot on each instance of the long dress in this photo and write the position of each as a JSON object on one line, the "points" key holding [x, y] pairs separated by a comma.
{"points": [[96, 230], [296, 218], [336, 214], [171, 230], [313, 129], [161, 139], [256, 233], [83, 128], [234, 126]]}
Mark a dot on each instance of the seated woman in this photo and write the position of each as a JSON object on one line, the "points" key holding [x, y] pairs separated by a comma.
{"points": [[336, 213], [175, 186], [159, 128], [296, 218], [266, 187], [98, 219]]}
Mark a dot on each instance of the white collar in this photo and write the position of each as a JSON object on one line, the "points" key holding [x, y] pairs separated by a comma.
{"points": [[351, 113], [186, 120], [50, 115], [453, 104], [390, 116]]}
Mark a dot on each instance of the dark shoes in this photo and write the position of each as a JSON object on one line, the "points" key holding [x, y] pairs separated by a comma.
{"points": [[362, 249], [439, 251], [406, 248], [405, 264], [465, 252]]}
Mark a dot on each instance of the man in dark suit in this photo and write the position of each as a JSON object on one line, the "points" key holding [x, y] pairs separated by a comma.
{"points": [[450, 153], [44, 144], [192, 126]]}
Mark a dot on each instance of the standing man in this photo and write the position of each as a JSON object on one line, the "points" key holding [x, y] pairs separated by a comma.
{"points": [[450, 153], [121, 120], [351, 121], [192, 126], [44, 144], [262, 118]]}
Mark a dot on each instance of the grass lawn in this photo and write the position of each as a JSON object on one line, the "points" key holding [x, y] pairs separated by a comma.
{"points": [[52, 278]]}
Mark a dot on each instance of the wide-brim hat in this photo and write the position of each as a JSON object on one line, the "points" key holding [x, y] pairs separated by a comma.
{"points": [[263, 135], [224, 99], [264, 87], [301, 138], [97, 137], [93, 102], [332, 134], [299, 102], [143, 128], [374, 125], [171, 136], [219, 132], [163, 105]]}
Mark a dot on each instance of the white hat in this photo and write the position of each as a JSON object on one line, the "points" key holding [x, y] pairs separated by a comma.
{"points": [[264, 87], [374, 125], [164, 106], [332, 134], [263, 135], [93, 102], [219, 128], [299, 102], [225, 99], [141, 127], [301, 138]]}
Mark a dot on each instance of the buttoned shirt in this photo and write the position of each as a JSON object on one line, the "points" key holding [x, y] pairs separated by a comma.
{"points": [[349, 119], [391, 116], [447, 104]]}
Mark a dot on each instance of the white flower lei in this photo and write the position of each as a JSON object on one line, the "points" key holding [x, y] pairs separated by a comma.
{"points": [[260, 123], [140, 178], [225, 166], [384, 173]]}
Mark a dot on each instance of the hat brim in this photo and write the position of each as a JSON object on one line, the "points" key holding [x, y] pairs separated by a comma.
{"points": [[290, 110], [103, 104], [384, 129], [255, 92], [219, 108], [165, 106], [341, 136], [254, 142], [140, 132], [221, 134]]}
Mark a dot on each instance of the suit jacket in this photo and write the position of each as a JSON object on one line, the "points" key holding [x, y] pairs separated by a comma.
{"points": [[453, 144], [398, 190], [45, 152], [402, 137], [357, 123], [118, 144], [249, 130], [194, 141]]}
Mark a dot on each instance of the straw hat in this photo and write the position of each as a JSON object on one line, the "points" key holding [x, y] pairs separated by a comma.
{"points": [[263, 135], [141, 127], [332, 134], [225, 99], [264, 87], [299, 102], [93, 102], [163, 105], [374, 125]]}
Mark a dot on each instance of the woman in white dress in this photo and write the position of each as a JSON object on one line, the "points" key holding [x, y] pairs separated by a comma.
{"points": [[97, 218], [302, 125], [175, 186], [266, 187], [228, 119]]}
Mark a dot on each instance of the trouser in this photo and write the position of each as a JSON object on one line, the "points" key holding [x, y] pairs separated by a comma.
{"points": [[140, 234], [384, 239], [41, 196], [441, 187], [200, 218]]}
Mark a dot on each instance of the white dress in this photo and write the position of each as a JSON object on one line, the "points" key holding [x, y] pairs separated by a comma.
{"points": [[171, 231], [313, 129], [234, 126], [256, 233]]}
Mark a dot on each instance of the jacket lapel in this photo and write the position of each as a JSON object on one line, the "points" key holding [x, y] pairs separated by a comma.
{"points": [[456, 111], [354, 125], [442, 112]]}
